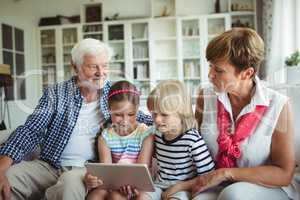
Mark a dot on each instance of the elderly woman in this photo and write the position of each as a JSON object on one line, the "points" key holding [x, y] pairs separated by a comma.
{"points": [[247, 126]]}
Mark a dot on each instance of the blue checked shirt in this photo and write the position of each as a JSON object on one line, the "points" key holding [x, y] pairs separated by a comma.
{"points": [[52, 122]]}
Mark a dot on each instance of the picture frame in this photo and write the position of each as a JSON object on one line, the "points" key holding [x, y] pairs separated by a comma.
{"points": [[93, 13]]}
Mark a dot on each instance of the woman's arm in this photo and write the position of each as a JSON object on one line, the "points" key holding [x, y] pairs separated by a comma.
{"points": [[280, 171], [277, 174], [104, 151], [146, 153]]}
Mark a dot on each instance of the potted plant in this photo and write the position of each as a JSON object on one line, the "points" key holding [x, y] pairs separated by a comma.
{"points": [[293, 68]]}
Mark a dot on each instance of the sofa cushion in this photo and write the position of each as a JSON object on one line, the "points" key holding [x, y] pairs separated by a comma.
{"points": [[4, 134]]}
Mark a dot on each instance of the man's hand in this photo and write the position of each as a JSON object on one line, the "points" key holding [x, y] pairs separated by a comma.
{"points": [[92, 182], [4, 187], [5, 163]]}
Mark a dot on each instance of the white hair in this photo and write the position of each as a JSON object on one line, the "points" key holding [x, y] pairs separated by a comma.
{"points": [[89, 46]]}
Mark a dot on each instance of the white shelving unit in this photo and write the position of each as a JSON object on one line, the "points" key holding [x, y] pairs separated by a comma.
{"points": [[190, 43], [140, 55], [149, 50], [115, 36], [48, 57], [93, 30], [164, 45], [243, 13], [55, 45]]}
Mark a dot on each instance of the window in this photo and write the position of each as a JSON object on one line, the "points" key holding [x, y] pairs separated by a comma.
{"points": [[13, 55]]}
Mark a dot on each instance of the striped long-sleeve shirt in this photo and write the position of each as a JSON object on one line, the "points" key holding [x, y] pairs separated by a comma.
{"points": [[182, 158]]}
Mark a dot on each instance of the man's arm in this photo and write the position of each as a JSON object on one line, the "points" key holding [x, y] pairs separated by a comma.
{"points": [[26, 137], [144, 118]]}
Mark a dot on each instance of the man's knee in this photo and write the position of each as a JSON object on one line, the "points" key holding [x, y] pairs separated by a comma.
{"points": [[28, 179], [73, 179], [69, 186]]}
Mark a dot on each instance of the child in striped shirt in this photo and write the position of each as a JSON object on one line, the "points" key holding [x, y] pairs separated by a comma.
{"points": [[124, 141], [180, 151]]}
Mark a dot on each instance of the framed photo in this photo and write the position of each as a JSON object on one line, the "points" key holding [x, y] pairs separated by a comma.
{"points": [[93, 12]]}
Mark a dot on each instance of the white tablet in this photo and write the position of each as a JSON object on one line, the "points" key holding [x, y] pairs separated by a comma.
{"points": [[115, 176]]}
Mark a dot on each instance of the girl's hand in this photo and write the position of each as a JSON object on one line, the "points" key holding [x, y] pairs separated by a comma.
{"points": [[129, 191], [92, 181], [208, 180]]}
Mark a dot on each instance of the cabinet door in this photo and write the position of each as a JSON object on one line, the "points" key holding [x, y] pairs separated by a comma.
{"points": [[69, 39], [115, 37], [190, 53], [243, 13], [48, 56], [164, 48], [214, 25], [140, 56], [93, 30]]}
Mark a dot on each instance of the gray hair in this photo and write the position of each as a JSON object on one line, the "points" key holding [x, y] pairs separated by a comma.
{"points": [[89, 46]]}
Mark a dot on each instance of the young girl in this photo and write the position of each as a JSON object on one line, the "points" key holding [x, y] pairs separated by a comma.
{"points": [[124, 141], [180, 151]]}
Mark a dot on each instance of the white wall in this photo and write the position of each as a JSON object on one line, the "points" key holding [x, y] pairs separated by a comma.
{"points": [[126, 8]]}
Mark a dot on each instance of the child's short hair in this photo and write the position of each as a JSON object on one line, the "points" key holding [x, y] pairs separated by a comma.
{"points": [[172, 97], [123, 91]]}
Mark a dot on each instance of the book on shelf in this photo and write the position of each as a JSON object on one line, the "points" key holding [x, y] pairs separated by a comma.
{"points": [[140, 71], [191, 69]]}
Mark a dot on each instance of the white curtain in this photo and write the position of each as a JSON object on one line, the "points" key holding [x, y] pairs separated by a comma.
{"points": [[283, 37]]}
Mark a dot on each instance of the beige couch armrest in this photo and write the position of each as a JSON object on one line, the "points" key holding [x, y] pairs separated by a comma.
{"points": [[4, 134]]}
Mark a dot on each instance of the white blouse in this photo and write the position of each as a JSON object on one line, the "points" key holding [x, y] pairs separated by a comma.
{"points": [[256, 148]]}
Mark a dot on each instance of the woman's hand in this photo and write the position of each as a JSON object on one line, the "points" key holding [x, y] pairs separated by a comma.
{"points": [[174, 189], [208, 180], [92, 181], [129, 191]]}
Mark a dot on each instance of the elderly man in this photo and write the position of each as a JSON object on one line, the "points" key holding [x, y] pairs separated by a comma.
{"points": [[64, 124]]}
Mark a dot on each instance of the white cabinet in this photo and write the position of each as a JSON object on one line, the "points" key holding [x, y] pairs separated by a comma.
{"points": [[164, 48], [243, 13], [48, 57], [147, 51], [139, 48], [55, 46], [116, 39], [190, 43], [93, 30], [194, 33], [214, 25]]}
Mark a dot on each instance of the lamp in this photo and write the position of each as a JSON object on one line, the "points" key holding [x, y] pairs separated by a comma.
{"points": [[5, 76]]}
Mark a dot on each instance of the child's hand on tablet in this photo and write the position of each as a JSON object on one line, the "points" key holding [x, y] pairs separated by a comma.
{"points": [[92, 181], [129, 191]]}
